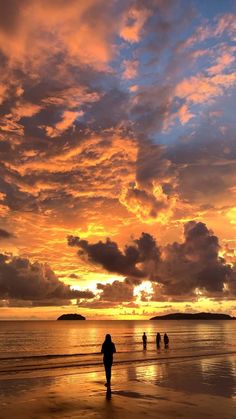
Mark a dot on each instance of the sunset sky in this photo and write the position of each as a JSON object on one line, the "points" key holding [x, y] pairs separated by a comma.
{"points": [[117, 158]]}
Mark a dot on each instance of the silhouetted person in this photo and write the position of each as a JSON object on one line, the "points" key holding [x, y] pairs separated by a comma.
{"points": [[108, 349], [144, 341], [158, 340], [166, 340]]}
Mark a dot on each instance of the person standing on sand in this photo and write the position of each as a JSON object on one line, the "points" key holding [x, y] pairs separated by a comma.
{"points": [[108, 349], [144, 341], [158, 340], [166, 340]]}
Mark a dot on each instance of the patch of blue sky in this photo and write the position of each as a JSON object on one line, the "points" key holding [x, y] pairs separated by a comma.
{"points": [[211, 8], [224, 108], [219, 110], [213, 119], [174, 133]]}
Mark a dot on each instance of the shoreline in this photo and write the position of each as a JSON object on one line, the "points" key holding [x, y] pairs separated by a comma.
{"points": [[156, 357], [157, 389]]}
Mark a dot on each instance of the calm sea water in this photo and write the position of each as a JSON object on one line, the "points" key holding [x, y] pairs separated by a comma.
{"points": [[32, 345]]}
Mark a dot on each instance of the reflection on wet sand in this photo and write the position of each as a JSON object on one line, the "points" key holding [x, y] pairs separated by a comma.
{"points": [[135, 389], [214, 375]]}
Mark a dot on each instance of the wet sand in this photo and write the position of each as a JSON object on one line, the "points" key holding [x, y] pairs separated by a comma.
{"points": [[150, 391]]}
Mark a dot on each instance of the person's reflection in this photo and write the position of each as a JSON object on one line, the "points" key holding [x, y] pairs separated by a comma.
{"points": [[108, 393]]}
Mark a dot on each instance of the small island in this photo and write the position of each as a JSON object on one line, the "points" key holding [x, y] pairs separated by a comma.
{"points": [[71, 317], [194, 316]]}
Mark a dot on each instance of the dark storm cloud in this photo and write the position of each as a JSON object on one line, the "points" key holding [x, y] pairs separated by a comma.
{"points": [[195, 265], [178, 271], [22, 280], [110, 257]]}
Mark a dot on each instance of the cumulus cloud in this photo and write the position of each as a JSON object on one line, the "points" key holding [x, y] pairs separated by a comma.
{"points": [[194, 265], [72, 23], [178, 271], [116, 291], [114, 294], [109, 256], [150, 205], [133, 22], [21, 280], [199, 89]]}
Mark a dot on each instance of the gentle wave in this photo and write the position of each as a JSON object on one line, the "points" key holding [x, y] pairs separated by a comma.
{"points": [[95, 362], [130, 350]]}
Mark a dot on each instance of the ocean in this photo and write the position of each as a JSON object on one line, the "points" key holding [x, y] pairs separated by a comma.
{"points": [[27, 346]]}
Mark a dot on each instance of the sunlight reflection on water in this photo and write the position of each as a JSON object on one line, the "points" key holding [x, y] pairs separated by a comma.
{"points": [[189, 363], [214, 376]]}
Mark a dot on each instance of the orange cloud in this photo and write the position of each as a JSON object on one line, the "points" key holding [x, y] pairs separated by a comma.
{"points": [[200, 89], [149, 206], [72, 97], [133, 88], [10, 122], [222, 62], [184, 114], [67, 120], [130, 69], [225, 23], [42, 29], [133, 23], [24, 109]]}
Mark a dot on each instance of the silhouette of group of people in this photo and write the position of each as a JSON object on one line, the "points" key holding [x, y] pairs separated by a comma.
{"points": [[108, 349], [158, 340]]}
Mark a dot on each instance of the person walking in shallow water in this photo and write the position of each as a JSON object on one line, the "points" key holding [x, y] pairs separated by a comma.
{"points": [[166, 340], [158, 340], [108, 349], [144, 341]]}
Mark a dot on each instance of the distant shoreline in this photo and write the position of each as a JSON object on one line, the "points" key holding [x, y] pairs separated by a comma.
{"points": [[171, 316], [194, 316], [71, 316]]}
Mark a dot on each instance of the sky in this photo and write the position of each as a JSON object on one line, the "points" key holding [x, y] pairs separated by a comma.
{"points": [[117, 158]]}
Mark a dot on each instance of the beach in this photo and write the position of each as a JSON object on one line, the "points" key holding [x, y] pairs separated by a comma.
{"points": [[54, 370], [176, 389]]}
